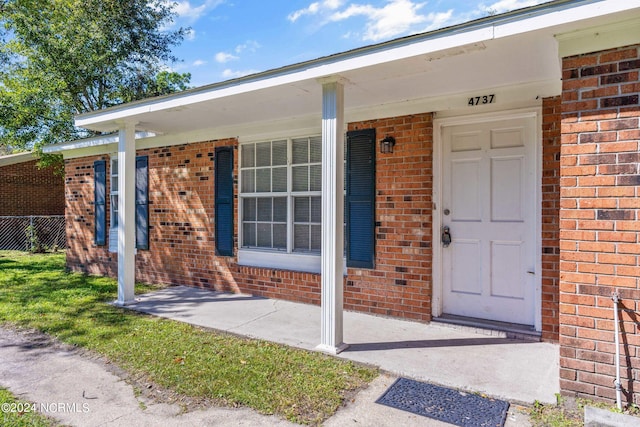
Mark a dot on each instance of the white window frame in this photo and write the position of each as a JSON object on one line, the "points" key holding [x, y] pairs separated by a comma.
{"points": [[113, 207], [273, 258]]}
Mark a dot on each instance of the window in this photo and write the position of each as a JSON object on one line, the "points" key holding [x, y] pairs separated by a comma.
{"points": [[281, 185], [281, 198], [99, 196], [141, 203], [113, 204], [113, 193]]}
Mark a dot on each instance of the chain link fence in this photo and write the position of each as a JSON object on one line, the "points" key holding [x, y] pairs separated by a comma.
{"points": [[32, 233]]}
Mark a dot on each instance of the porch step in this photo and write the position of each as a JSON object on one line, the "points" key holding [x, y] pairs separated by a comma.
{"points": [[489, 327]]}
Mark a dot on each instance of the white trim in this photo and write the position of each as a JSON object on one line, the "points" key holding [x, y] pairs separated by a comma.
{"points": [[438, 125], [308, 263], [538, 264], [599, 38], [126, 214], [14, 159]]}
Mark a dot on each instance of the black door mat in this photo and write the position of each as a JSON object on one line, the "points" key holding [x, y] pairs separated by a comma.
{"points": [[445, 404]]}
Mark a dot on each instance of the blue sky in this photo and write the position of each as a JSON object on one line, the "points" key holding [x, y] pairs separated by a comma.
{"points": [[233, 38]]}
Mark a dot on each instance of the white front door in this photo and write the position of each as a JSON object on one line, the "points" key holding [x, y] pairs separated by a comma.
{"points": [[489, 205]]}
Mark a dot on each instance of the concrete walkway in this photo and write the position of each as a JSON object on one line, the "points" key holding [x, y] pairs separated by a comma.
{"points": [[514, 370]]}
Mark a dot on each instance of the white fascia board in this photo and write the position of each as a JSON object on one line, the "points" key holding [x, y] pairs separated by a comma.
{"points": [[563, 16], [89, 143], [81, 143], [13, 159]]}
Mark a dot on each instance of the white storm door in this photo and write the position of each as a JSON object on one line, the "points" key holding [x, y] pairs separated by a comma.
{"points": [[489, 205]]}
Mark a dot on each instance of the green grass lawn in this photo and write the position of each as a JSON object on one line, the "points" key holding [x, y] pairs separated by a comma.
{"points": [[19, 413], [302, 386]]}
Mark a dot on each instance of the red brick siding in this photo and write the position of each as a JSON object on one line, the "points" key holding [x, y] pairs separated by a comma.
{"points": [[182, 237], [25, 189], [599, 220], [82, 253], [401, 284], [551, 118]]}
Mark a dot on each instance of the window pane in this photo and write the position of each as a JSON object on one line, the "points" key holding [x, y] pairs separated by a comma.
{"points": [[315, 149], [264, 235], [248, 181], [280, 236], [300, 178], [301, 237], [263, 154], [280, 209], [279, 153], [264, 209], [316, 209], [248, 155], [316, 177], [301, 209], [249, 234], [316, 237], [279, 179], [114, 210], [263, 180], [249, 209], [300, 151]]}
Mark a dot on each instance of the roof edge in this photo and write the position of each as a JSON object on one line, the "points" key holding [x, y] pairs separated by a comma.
{"points": [[13, 159], [337, 57]]}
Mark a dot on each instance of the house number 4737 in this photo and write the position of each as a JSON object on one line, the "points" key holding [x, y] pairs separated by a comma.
{"points": [[480, 100]]}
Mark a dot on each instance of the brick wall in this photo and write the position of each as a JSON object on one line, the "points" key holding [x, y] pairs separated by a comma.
{"points": [[82, 254], [551, 119], [401, 284], [599, 221], [26, 189], [182, 237]]}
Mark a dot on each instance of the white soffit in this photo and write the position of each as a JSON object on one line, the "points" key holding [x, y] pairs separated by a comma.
{"points": [[599, 38]]}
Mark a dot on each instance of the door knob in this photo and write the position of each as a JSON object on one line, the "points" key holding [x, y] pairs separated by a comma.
{"points": [[446, 236]]}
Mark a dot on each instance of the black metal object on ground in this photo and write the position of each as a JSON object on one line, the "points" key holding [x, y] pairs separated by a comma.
{"points": [[445, 404]]}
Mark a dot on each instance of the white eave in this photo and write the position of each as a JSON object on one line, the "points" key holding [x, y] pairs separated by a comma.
{"points": [[511, 49], [13, 159]]}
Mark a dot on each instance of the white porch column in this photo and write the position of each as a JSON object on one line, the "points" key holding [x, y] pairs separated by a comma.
{"points": [[332, 269], [126, 213]]}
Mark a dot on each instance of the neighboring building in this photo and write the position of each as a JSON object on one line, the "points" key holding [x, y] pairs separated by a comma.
{"points": [[515, 137], [26, 189]]}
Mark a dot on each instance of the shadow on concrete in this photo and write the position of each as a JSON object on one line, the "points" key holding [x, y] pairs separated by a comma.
{"points": [[398, 345]]}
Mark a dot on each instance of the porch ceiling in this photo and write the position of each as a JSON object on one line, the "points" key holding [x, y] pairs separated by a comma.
{"points": [[471, 59]]}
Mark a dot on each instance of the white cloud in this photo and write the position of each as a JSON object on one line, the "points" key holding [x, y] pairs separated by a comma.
{"points": [[507, 5], [249, 45], [198, 63], [396, 17], [399, 17], [191, 12], [223, 57], [314, 8], [231, 74]]}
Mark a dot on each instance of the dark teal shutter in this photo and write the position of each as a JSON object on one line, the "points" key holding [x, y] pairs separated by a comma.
{"points": [[142, 202], [361, 198], [99, 201], [224, 200]]}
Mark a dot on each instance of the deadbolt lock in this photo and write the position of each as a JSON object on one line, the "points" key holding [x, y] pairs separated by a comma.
{"points": [[446, 236]]}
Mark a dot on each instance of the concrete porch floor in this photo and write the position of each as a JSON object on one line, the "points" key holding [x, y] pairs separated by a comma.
{"points": [[462, 358]]}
